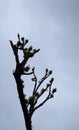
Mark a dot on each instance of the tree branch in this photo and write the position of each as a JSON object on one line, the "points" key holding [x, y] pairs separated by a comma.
{"points": [[34, 79], [27, 73], [49, 96], [47, 74], [15, 50], [41, 104]]}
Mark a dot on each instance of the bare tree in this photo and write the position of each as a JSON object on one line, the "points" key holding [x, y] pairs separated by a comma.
{"points": [[30, 104]]}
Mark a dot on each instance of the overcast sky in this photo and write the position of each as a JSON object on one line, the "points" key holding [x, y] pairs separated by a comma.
{"points": [[52, 26]]}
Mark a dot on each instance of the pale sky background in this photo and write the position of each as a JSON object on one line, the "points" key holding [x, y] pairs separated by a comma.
{"points": [[52, 26]]}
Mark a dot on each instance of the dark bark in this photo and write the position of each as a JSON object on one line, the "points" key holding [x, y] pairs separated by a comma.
{"points": [[27, 117]]}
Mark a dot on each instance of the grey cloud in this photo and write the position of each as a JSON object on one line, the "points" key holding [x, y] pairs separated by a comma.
{"points": [[51, 25]]}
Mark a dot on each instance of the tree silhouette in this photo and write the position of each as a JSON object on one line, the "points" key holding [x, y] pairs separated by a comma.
{"points": [[30, 104]]}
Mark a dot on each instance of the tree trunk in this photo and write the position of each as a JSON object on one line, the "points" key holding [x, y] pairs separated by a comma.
{"points": [[29, 124], [27, 117]]}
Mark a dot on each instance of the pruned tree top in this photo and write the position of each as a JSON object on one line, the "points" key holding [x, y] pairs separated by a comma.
{"points": [[29, 105]]}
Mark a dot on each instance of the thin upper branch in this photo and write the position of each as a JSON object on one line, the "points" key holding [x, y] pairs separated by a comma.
{"points": [[49, 96], [15, 50], [41, 104], [35, 80], [47, 74]]}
